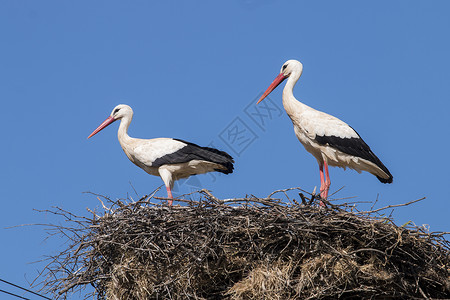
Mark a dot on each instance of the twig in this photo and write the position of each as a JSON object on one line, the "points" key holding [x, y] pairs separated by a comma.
{"points": [[392, 206]]}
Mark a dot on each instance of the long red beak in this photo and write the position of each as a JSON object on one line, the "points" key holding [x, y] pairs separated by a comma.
{"points": [[105, 123], [279, 79]]}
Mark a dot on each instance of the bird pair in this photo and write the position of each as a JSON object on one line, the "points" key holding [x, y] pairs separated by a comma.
{"points": [[331, 141]]}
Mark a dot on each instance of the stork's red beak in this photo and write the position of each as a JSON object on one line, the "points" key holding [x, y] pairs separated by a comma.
{"points": [[279, 79], [105, 123]]}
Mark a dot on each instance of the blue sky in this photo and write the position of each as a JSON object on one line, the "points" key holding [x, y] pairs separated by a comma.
{"points": [[193, 70]]}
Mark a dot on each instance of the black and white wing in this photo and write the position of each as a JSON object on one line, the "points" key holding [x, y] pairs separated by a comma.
{"points": [[167, 151], [330, 131]]}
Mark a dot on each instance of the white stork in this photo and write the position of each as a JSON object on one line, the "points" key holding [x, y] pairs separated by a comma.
{"points": [[171, 159], [330, 140]]}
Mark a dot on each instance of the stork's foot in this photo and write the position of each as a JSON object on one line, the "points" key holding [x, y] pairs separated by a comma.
{"points": [[314, 196], [322, 203], [324, 192], [325, 183], [323, 196]]}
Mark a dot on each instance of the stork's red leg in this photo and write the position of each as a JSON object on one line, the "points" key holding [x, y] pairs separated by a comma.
{"points": [[327, 181], [169, 195], [322, 185], [322, 180]]}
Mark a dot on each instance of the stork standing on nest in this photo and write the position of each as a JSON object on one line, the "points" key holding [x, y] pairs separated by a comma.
{"points": [[330, 140], [171, 159]]}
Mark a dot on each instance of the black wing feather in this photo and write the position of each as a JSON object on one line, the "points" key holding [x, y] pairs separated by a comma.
{"points": [[195, 152], [356, 147]]}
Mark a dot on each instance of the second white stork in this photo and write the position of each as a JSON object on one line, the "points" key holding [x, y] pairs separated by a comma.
{"points": [[171, 159], [330, 140]]}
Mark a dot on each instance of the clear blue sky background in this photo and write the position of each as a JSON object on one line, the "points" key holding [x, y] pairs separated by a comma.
{"points": [[193, 70]]}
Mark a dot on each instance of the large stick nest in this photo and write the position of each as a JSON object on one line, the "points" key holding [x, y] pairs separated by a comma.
{"points": [[246, 249]]}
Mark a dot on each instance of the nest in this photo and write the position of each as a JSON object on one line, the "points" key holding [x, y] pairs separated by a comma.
{"points": [[248, 248]]}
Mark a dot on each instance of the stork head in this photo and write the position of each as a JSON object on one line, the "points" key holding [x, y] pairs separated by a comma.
{"points": [[119, 112], [291, 67]]}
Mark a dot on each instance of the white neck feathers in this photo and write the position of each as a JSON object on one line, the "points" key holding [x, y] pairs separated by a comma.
{"points": [[122, 134], [292, 105]]}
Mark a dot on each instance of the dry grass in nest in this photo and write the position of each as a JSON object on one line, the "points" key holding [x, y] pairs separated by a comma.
{"points": [[249, 248]]}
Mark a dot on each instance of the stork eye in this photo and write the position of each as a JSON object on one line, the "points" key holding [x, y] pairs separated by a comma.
{"points": [[284, 67], [116, 110]]}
